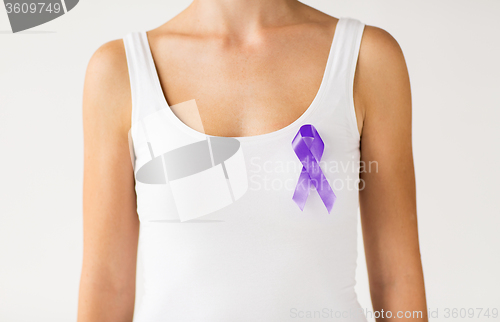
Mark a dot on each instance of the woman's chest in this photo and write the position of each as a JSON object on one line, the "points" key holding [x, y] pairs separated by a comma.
{"points": [[242, 93]]}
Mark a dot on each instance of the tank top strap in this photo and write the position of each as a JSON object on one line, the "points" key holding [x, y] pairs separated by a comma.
{"points": [[144, 93], [142, 78], [345, 57]]}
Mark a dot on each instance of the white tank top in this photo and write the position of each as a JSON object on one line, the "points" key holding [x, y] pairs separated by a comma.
{"points": [[222, 238]]}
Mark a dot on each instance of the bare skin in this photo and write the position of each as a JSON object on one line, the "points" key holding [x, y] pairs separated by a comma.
{"points": [[253, 67]]}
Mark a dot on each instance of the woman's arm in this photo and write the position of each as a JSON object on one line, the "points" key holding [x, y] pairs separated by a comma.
{"points": [[110, 221], [387, 202]]}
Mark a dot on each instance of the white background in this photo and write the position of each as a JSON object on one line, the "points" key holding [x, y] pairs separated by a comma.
{"points": [[452, 49]]}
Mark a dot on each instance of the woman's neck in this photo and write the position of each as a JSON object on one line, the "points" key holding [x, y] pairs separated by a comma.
{"points": [[240, 18]]}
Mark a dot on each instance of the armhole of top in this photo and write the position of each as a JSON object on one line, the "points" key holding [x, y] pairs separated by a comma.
{"points": [[131, 148], [128, 42], [357, 34]]}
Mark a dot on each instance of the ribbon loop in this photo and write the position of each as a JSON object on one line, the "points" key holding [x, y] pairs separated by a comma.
{"points": [[309, 147]]}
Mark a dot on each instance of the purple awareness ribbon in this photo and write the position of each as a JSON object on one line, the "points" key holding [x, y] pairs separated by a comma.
{"points": [[309, 147]]}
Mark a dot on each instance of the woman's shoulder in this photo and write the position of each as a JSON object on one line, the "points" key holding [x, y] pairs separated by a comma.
{"points": [[107, 86], [381, 72], [380, 54], [109, 58]]}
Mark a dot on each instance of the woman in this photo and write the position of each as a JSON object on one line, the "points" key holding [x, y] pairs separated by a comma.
{"points": [[278, 88]]}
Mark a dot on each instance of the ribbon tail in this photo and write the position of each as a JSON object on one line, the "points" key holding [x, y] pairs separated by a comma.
{"points": [[327, 195], [323, 187], [302, 189]]}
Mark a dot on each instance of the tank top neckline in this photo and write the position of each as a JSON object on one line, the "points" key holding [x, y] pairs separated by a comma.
{"points": [[305, 116]]}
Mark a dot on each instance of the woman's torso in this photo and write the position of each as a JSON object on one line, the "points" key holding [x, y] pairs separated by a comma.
{"points": [[222, 238]]}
